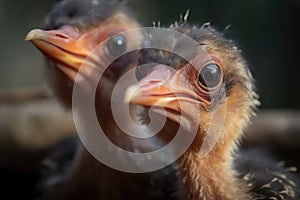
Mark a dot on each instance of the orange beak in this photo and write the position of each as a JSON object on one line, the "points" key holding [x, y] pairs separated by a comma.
{"points": [[67, 48], [169, 89]]}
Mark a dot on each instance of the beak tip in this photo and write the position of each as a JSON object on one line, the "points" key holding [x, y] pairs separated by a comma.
{"points": [[34, 34]]}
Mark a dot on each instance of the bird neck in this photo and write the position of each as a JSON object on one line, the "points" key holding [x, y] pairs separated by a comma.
{"points": [[211, 177]]}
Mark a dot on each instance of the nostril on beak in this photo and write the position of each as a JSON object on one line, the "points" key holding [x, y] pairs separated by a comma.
{"points": [[61, 36]]}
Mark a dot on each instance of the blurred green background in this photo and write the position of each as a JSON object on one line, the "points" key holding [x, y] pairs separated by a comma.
{"points": [[267, 31]]}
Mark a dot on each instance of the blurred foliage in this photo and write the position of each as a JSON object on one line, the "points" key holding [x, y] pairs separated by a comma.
{"points": [[266, 31]]}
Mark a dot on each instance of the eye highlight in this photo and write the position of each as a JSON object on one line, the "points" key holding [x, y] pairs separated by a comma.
{"points": [[210, 76], [116, 45]]}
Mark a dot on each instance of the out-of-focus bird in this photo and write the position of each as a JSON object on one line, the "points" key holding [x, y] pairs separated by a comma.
{"points": [[73, 29], [213, 80]]}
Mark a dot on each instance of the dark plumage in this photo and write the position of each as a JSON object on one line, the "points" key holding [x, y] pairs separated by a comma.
{"points": [[267, 177], [84, 14]]}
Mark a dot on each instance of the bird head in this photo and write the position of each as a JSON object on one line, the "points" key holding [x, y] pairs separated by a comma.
{"points": [[73, 29], [211, 81]]}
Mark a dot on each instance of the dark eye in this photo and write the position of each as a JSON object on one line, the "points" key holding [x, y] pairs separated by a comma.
{"points": [[116, 45], [210, 76]]}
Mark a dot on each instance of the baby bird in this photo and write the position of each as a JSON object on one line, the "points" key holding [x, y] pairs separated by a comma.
{"points": [[74, 29], [207, 89]]}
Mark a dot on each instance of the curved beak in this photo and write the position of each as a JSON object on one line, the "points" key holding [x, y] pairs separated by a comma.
{"points": [[166, 89], [66, 47]]}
